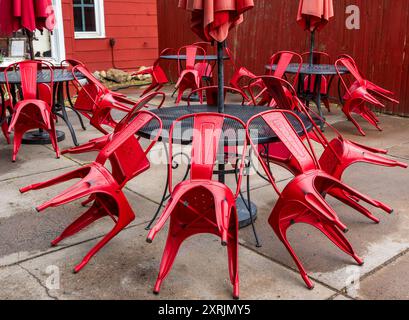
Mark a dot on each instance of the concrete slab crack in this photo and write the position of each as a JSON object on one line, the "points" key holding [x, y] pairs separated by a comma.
{"points": [[47, 291]]}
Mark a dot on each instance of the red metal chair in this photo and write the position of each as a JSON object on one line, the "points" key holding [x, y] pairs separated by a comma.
{"points": [[128, 159], [96, 102], [205, 68], [302, 199], [34, 109], [282, 60], [98, 144], [159, 78], [200, 204], [189, 77], [338, 154], [240, 75], [360, 93], [318, 57]]}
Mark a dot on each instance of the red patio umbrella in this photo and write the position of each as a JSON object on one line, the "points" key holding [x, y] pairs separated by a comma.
{"points": [[313, 15], [212, 21], [28, 15]]}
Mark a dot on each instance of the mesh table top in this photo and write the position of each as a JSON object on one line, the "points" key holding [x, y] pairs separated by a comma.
{"points": [[317, 69], [233, 131], [43, 76]]}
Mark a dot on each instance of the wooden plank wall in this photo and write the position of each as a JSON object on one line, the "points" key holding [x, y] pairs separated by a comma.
{"points": [[380, 46], [133, 23]]}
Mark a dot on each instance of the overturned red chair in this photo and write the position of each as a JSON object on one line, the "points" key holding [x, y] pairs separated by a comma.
{"points": [[128, 159], [200, 204], [302, 200], [34, 108], [361, 93], [98, 144], [190, 76], [338, 155], [95, 101], [159, 78]]}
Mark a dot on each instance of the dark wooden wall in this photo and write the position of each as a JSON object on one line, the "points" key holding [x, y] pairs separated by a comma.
{"points": [[380, 46]]}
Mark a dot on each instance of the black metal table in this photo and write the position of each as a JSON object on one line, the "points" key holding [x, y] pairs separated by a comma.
{"points": [[198, 57], [61, 76], [265, 135], [317, 70]]}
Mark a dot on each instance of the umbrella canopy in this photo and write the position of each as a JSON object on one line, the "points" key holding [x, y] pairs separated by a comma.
{"points": [[26, 14], [313, 15], [213, 19]]}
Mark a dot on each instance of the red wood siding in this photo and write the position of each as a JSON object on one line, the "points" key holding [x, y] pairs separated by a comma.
{"points": [[133, 23], [380, 46]]}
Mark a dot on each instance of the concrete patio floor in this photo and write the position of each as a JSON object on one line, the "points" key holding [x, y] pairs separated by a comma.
{"points": [[127, 267]]}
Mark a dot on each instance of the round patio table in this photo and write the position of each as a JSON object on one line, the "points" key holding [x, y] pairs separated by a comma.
{"points": [[317, 70], [61, 76], [169, 114]]}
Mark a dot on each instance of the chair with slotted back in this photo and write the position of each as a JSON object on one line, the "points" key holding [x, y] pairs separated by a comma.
{"points": [[201, 204]]}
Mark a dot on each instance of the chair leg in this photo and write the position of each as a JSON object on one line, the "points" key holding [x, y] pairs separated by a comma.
{"points": [[92, 214], [341, 196], [325, 100], [4, 128], [53, 137], [78, 173], [356, 124], [172, 246], [372, 158], [18, 137], [232, 250], [124, 218]]}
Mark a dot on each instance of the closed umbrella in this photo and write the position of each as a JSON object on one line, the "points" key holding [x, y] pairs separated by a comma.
{"points": [[28, 15], [313, 15], [212, 20]]}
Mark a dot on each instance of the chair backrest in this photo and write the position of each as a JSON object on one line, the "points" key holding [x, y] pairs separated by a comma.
{"points": [[318, 57], [71, 63], [142, 103], [282, 60], [279, 123], [89, 92], [279, 90], [208, 142], [212, 94], [191, 53], [125, 153], [349, 63], [30, 88]]}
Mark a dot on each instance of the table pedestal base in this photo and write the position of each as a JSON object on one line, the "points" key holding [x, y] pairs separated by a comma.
{"points": [[244, 214], [41, 137]]}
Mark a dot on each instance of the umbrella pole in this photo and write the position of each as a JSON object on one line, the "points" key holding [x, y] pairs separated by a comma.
{"points": [[30, 36], [220, 77], [312, 48], [220, 101]]}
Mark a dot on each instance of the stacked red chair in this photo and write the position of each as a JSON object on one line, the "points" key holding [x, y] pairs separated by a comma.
{"points": [[318, 57], [338, 155], [34, 108], [361, 93], [282, 60], [159, 78], [98, 144], [96, 102], [240, 75], [302, 199], [200, 204], [191, 76], [128, 159]]}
